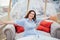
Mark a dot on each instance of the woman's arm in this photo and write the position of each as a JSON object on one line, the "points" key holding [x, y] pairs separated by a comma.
{"points": [[45, 18], [18, 22], [6, 22], [40, 19]]}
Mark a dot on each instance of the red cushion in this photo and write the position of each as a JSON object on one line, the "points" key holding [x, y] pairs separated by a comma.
{"points": [[42, 28], [46, 23], [18, 28]]}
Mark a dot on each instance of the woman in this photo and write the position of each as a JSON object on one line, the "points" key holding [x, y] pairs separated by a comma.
{"points": [[29, 23]]}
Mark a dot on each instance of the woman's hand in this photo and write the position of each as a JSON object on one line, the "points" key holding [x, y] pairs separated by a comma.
{"points": [[1, 23]]}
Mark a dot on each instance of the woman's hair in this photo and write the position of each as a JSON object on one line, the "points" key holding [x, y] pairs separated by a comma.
{"points": [[34, 18]]}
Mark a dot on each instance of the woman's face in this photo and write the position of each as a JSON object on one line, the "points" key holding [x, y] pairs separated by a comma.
{"points": [[31, 15]]}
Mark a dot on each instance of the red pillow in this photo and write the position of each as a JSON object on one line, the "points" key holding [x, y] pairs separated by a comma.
{"points": [[46, 23], [18, 28], [42, 28]]}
